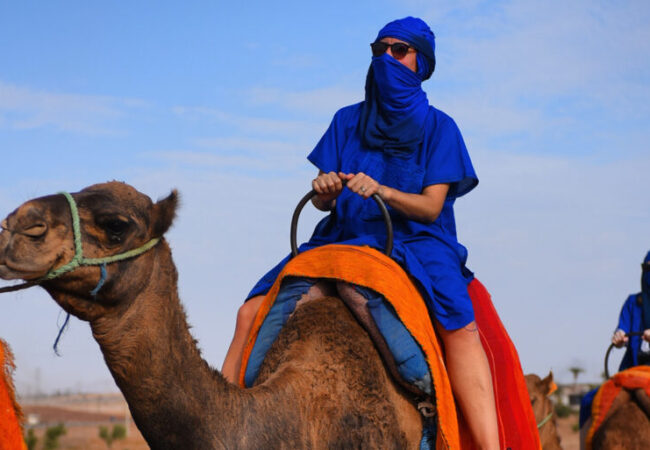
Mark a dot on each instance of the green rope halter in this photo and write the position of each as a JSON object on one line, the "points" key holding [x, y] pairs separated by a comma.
{"points": [[546, 419], [78, 260]]}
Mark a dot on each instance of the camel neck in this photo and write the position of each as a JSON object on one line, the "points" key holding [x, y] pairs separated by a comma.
{"points": [[156, 363]]}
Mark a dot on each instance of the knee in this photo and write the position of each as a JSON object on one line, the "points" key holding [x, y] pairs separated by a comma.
{"points": [[248, 311]]}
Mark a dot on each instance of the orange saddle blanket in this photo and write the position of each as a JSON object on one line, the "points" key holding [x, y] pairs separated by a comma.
{"points": [[11, 436], [633, 378], [369, 268]]}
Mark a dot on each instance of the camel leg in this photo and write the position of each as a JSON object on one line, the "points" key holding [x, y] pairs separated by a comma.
{"points": [[471, 381]]}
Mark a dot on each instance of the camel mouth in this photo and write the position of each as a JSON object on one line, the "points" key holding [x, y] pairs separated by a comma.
{"points": [[16, 271], [9, 272]]}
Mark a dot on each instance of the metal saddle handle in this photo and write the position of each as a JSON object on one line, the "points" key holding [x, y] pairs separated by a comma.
{"points": [[380, 203], [611, 346]]}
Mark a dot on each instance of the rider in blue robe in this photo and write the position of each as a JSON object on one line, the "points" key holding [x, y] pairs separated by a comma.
{"points": [[431, 151], [634, 317]]}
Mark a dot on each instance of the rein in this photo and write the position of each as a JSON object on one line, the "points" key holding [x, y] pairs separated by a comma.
{"points": [[78, 260], [545, 420]]}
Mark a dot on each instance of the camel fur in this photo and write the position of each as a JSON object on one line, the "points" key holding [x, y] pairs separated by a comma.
{"points": [[539, 390]]}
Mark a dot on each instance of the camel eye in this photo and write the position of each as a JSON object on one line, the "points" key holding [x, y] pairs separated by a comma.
{"points": [[115, 227]]}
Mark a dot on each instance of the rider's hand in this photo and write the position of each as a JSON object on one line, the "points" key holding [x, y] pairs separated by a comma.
{"points": [[361, 184], [646, 335], [328, 186], [620, 339]]}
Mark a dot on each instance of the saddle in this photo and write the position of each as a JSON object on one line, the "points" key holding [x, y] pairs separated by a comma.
{"points": [[361, 273], [636, 380]]}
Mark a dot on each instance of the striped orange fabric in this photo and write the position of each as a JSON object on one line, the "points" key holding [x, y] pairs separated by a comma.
{"points": [[11, 435], [367, 267], [633, 378]]}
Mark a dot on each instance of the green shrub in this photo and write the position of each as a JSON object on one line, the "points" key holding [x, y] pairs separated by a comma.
{"points": [[52, 435], [119, 432], [31, 440], [562, 410]]}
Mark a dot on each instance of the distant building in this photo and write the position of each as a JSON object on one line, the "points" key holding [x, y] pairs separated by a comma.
{"points": [[571, 394]]}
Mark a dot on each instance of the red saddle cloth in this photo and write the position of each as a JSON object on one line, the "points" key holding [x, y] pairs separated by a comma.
{"points": [[11, 436], [633, 378], [368, 267]]}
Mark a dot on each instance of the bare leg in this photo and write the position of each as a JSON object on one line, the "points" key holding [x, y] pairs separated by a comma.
{"points": [[471, 380], [245, 318]]}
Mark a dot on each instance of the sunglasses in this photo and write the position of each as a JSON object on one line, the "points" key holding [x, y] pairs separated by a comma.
{"points": [[645, 267], [398, 49]]}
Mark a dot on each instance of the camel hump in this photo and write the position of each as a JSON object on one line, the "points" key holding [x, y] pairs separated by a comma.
{"points": [[400, 353]]}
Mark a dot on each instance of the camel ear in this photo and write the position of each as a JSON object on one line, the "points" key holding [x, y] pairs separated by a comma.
{"points": [[549, 384], [164, 212]]}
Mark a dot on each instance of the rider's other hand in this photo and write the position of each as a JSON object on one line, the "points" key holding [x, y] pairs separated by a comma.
{"points": [[328, 186], [361, 184], [619, 339], [646, 335]]}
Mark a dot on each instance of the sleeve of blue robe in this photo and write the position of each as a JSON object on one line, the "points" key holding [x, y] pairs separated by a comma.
{"points": [[629, 321], [448, 158], [327, 153], [626, 315]]}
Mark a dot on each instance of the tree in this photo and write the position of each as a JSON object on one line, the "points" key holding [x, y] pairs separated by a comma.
{"points": [[576, 371], [52, 435], [31, 440], [119, 432]]}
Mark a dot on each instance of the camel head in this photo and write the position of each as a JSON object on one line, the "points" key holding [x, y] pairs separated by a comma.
{"points": [[38, 238], [539, 390]]}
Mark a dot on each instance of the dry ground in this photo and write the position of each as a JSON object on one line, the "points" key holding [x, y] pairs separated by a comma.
{"points": [[84, 414], [569, 438]]}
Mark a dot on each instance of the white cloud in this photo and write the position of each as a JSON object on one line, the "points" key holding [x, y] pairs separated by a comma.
{"points": [[318, 101], [24, 108], [259, 159], [250, 125]]}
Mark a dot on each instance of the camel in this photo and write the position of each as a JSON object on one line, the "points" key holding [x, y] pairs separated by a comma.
{"points": [[539, 390], [322, 384], [627, 424]]}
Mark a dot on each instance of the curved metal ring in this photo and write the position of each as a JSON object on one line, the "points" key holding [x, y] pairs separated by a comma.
{"points": [[609, 350], [382, 206]]}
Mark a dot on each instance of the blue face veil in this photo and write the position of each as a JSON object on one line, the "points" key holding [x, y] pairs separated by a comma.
{"points": [[395, 109], [645, 291]]}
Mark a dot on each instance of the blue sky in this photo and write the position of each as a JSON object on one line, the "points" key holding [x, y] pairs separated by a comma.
{"points": [[223, 102]]}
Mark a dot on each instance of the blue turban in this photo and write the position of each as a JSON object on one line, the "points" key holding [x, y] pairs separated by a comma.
{"points": [[418, 34], [395, 109]]}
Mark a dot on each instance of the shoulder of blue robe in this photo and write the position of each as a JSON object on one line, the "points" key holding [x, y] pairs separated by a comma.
{"points": [[448, 158], [326, 155]]}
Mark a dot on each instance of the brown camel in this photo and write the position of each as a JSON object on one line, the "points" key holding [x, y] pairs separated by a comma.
{"points": [[626, 425], [539, 390], [322, 385]]}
